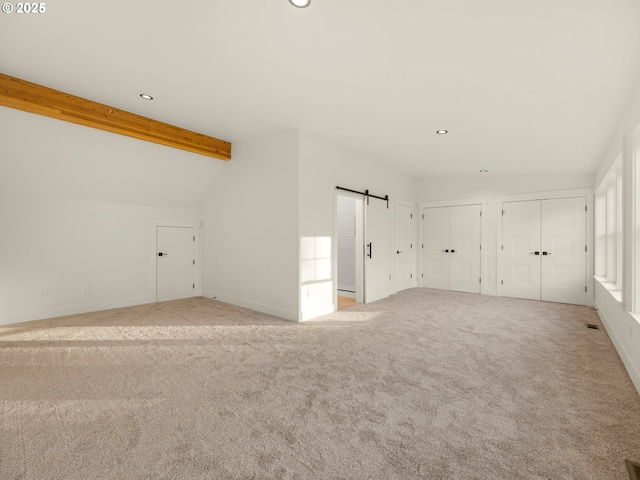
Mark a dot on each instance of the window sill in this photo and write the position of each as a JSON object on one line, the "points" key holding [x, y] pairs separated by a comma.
{"points": [[610, 287]]}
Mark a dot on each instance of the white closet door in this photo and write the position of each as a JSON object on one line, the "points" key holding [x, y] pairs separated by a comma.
{"points": [[175, 257], [563, 250], [435, 252], [520, 242], [465, 248], [403, 252], [376, 262]]}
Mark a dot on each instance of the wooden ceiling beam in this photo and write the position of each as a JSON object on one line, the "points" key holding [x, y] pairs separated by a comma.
{"points": [[33, 98]]}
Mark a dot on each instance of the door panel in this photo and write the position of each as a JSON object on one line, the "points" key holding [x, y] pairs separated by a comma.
{"points": [[520, 241], [436, 262], [175, 270], [564, 240], [465, 248], [376, 264], [463, 272], [521, 273], [403, 252]]}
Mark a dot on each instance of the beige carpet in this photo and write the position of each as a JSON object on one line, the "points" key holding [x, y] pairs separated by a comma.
{"points": [[425, 384]]}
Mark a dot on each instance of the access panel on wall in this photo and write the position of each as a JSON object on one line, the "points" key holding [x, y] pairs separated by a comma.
{"points": [[451, 248], [544, 250]]}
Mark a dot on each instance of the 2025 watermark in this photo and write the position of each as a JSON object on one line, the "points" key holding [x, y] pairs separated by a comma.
{"points": [[24, 8]]}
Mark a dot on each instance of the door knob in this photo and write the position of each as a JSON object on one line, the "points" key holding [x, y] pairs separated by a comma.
{"points": [[546, 253], [445, 251], [398, 251], [161, 254], [534, 253], [453, 251]]}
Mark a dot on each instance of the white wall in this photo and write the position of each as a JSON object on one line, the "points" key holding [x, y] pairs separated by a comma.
{"points": [[622, 325], [250, 227], [64, 245], [323, 166], [488, 187], [47, 157], [77, 208]]}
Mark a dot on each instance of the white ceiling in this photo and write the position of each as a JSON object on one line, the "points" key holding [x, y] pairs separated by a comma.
{"points": [[524, 87]]}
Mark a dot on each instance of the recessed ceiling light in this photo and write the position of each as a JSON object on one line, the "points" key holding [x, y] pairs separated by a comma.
{"points": [[484, 171], [146, 97], [442, 132], [300, 3]]}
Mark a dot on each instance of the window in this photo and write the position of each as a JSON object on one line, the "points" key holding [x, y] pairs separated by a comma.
{"points": [[608, 216], [601, 233], [634, 262]]}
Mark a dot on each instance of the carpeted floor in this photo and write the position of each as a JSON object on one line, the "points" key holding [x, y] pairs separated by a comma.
{"points": [[424, 384]]}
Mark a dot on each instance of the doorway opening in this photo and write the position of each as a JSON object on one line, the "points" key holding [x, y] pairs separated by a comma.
{"points": [[350, 244]]}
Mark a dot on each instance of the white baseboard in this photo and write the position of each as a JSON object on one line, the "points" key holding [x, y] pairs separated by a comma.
{"points": [[251, 305], [20, 317]]}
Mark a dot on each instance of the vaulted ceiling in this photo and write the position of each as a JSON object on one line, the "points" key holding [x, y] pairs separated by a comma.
{"points": [[523, 87]]}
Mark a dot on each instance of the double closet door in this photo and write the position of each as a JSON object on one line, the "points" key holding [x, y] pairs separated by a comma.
{"points": [[451, 248], [544, 250]]}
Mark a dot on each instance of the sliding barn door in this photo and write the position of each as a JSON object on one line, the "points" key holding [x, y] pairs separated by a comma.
{"points": [[376, 262], [563, 250]]}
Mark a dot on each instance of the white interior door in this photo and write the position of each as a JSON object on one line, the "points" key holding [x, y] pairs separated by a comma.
{"points": [[520, 242], [175, 263], [464, 251], [435, 256], [376, 263], [563, 254], [404, 247]]}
